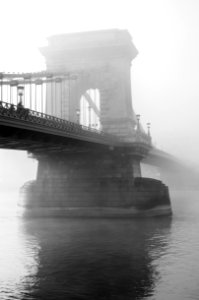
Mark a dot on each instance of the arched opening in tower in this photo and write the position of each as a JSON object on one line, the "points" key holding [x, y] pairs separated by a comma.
{"points": [[90, 109]]}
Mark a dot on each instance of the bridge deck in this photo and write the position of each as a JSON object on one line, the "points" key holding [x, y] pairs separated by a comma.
{"points": [[12, 116], [25, 129]]}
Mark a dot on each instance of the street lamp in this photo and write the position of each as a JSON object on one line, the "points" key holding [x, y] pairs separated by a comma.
{"points": [[138, 121], [78, 115], [20, 91], [148, 127]]}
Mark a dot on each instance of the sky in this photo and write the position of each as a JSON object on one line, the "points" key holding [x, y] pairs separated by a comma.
{"points": [[165, 74]]}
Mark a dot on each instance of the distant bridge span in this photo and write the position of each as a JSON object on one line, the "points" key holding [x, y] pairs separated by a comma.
{"points": [[173, 171], [160, 158]]}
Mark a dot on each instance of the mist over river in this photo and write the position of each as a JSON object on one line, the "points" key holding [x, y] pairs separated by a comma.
{"points": [[58, 258]]}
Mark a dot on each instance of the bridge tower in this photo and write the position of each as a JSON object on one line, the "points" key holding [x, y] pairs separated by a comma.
{"points": [[100, 60]]}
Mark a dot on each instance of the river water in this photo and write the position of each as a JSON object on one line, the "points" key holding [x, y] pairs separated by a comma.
{"points": [[154, 258]]}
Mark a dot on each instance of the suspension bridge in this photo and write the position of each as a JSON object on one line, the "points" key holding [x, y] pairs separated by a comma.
{"points": [[76, 118]]}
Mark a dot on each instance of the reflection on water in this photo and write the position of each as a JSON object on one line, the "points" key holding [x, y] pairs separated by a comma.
{"points": [[101, 259], [96, 259], [18, 260]]}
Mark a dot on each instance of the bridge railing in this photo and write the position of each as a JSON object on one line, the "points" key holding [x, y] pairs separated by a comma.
{"points": [[31, 116], [19, 112]]}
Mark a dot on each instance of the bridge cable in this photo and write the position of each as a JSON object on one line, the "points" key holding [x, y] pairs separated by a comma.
{"points": [[42, 96], [69, 92], [61, 98], [30, 92], [1, 86], [52, 97], [35, 96], [7, 96], [24, 95], [95, 102], [55, 98], [10, 93]]}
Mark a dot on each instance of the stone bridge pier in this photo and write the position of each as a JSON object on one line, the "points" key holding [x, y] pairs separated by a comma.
{"points": [[99, 183], [89, 179]]}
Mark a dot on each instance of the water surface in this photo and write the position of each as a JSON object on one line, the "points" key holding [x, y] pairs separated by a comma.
{"points": [[154, 258]]}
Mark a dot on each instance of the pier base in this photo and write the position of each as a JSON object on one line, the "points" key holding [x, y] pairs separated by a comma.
{"points": [[93, 185]]}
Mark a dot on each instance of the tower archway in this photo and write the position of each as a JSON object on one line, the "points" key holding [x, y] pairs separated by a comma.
{"points": [[90, 109]]}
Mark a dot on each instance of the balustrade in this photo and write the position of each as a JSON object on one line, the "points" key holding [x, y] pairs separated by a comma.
{"points": [[28, 115], [9, 110]]}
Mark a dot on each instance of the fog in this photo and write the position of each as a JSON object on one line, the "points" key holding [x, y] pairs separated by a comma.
{"points": [[165, 73]]}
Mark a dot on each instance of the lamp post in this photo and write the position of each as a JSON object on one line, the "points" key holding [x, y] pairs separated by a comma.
{"points": [[78, 115], [148, 127], [20, 91], [138, 122]]}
